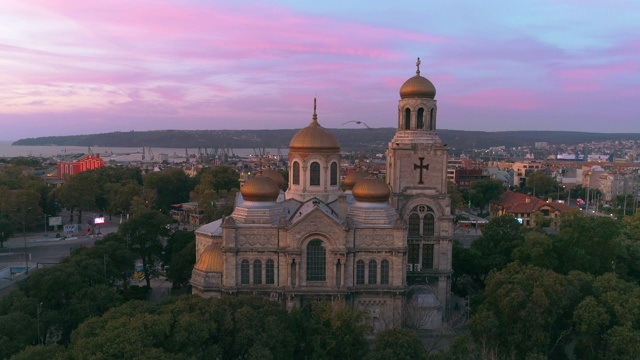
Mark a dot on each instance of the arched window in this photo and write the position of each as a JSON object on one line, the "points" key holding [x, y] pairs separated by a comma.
{"points": [[360, 272], [384, 272], [244, 272], [428, 225], [373, 272], [314, 174], [296, 173], [257, 272], [414, 225], [316, 261], [432, 119], [407, 119], [269, 272], [333, 181], [420, 124]]}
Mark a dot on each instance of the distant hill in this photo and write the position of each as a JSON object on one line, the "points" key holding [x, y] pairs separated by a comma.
{"points": [[350, 139]]}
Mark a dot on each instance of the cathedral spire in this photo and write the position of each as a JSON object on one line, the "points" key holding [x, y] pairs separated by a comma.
{"points": [[315, 116]]}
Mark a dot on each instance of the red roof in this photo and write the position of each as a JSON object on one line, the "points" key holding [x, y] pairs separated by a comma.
{"points": [[513, 202]]}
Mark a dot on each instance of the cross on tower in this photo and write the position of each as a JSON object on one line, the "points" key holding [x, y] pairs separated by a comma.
{"points": [[421, 167]]}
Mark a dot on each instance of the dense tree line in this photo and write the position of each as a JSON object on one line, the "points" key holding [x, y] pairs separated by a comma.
{"points": [[539, 295]]}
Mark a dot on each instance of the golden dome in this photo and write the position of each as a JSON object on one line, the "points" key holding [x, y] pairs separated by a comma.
{"points": [[275, 176], [260, 188], [417, 86], [352, 178], [314, 137], [371, 190], [210, 259]]}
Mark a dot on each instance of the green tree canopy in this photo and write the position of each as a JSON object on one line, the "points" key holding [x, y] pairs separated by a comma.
{"points": [[484, 191], [143, 233], [500, 237], [171, 187]]}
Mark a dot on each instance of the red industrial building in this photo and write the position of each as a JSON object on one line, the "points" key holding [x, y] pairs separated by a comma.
{"points": [[70, 168]]}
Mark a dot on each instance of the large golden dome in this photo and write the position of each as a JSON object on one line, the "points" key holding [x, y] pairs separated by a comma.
{"points": [[260, 188], [352, 178], [210, 259], [314, 137], [275, 176], [371, 190], [417, 86]]}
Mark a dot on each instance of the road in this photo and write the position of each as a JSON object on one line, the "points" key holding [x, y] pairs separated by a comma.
{"points": [[42, 251]]}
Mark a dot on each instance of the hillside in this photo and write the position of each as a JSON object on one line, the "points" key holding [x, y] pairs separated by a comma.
{"points": [[350, 139]]}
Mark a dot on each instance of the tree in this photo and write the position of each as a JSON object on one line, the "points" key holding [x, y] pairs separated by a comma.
{"points": [[219, 178], [171, 187], [457, 201], [41, 352], [188, 327], [484, 191], [541, 184], [6, 229], [536, 250], [143, 233], [466, 262], [120, 196], [395, 343], [500, 237], [588, 244], [206, 196], [329, 331], [79, 192], [524, 311], [180, 255]]}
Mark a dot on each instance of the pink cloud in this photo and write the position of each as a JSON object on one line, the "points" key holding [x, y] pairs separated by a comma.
{"points": [[514, 99]]}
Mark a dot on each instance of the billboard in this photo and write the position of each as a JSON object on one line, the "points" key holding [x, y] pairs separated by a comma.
{"points": [[70, 229], [98, 221], [55, 220]]}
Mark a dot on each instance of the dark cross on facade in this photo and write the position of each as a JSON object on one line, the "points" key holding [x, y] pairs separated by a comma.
{"points": [[421, 167]]}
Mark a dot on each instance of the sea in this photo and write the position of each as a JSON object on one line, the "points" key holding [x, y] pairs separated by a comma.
{"points": [[122, 153]]}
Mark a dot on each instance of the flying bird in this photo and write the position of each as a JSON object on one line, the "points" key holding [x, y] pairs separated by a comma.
{"points": [[357, 122]]}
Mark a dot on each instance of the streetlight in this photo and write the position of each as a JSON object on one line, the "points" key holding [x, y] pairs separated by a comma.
{"points": [[24, 235]]}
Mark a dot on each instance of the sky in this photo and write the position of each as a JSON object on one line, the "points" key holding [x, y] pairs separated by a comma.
{"points": [[71, 67]]}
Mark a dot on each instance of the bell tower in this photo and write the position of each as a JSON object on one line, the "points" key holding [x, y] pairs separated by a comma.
{"points": [[417, 176]]}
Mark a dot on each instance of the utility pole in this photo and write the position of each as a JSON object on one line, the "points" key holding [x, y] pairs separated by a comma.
{"points": [[24, 235]]}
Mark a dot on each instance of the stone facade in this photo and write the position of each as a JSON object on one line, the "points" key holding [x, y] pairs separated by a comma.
{"points": [[386, 252]]}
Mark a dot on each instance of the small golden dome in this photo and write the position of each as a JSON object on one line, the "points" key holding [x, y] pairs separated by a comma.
{"points": [[371, 190], [260, 188], [314, 137], [275, 176], [210, 259], [417, 86], [353, 178]]}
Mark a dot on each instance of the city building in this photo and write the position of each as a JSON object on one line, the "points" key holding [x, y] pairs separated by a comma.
{"points": [[70, 168], [523, 207], [384, 248]]}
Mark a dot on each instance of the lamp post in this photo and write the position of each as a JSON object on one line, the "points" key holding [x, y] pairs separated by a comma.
{"points": [[24, 235]]}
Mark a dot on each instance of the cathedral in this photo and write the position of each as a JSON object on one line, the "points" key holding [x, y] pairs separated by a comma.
{"points": [[380, 245]]}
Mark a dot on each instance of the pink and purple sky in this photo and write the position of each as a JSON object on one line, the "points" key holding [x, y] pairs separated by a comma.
{"points": [[79, 67]]}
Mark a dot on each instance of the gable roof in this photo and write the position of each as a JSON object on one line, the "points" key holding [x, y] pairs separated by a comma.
{"points": [[513, 202]]}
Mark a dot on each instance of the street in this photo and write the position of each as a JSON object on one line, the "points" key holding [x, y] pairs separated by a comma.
{"points": [[43, 251]]}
